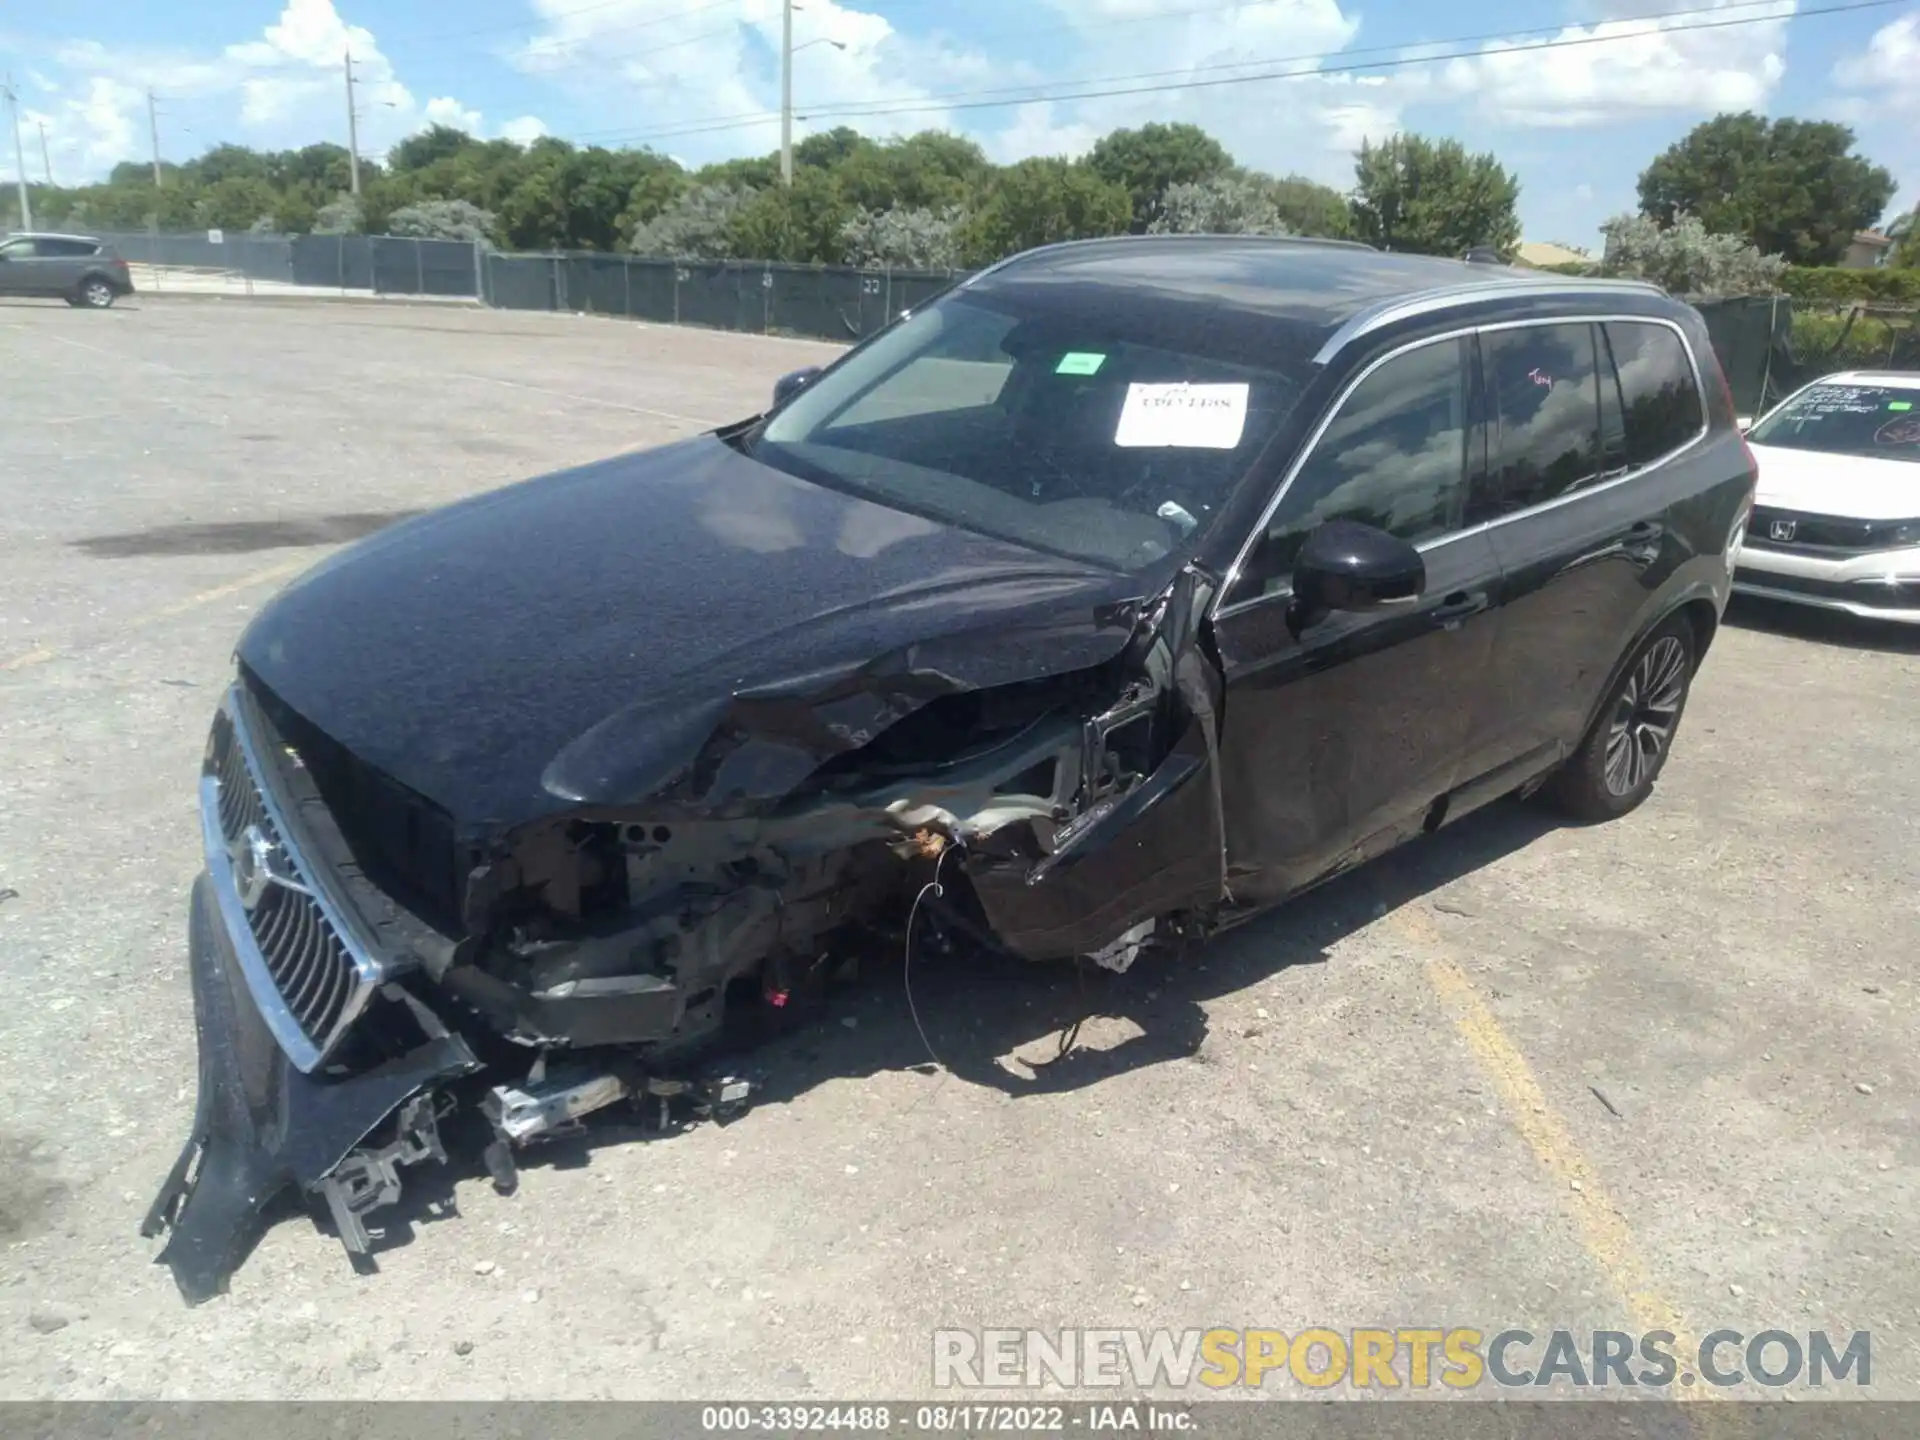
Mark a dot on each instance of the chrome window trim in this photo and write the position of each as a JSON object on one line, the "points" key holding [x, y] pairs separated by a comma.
{"points": [[1220, 610], [369, 971]]}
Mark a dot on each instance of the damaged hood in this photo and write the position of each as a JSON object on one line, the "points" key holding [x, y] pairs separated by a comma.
{"points": [[683, 618]]}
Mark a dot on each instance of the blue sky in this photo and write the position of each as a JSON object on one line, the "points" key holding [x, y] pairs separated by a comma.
{"points": [[699, 80]]}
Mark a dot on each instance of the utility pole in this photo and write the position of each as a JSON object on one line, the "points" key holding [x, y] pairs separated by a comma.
{"points": [[786, 92], [353, 131], [153, 132], [46, 160], [19, 159]]}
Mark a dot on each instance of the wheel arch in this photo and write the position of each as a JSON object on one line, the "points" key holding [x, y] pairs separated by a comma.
{"points": [[1697, 604]]}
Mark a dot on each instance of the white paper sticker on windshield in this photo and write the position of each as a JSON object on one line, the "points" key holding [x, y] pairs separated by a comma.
{"points": [[1198, 417]]}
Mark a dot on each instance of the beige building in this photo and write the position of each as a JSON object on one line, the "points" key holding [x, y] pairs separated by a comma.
{"points": [[1540, 253], [1869, 250]]}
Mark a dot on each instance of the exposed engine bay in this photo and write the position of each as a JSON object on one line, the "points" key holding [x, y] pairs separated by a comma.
{"points": [[596, 956]]}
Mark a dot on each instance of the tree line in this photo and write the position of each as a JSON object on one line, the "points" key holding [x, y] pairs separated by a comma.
{"points": [[1753, 192]]}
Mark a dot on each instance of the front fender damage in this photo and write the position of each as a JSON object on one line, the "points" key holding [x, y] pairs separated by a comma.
{"points": [[603, 951]]}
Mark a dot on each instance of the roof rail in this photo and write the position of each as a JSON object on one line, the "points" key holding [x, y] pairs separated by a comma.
{"points": [[1403, 307], [1320, 241]]}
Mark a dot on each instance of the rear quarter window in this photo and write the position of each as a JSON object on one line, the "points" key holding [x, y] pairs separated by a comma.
{"points": [[1658, 392]]}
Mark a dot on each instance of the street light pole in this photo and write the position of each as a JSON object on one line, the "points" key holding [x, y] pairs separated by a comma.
{"points": [[153, 133], [786, 92], [353, 131], [46, 160], [19, 158]]}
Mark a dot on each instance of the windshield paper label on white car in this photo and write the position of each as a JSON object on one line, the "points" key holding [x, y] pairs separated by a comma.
{"points": [[1196, 417]]}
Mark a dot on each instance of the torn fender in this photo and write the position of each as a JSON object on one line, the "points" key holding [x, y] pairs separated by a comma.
{"points": [[1155, 848], [742, 747], [260, 1125]]}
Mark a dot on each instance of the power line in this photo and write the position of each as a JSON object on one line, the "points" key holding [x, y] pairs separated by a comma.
{"points": [[937, 102], [855, 108], [598, 60]]}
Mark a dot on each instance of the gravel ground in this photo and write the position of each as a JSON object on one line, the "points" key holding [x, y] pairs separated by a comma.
{"points": [[1662, 1071]]}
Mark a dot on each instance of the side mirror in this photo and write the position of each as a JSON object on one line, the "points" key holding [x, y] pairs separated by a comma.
{"points": [[1745, 422], [791, 384], [1345, 565]]}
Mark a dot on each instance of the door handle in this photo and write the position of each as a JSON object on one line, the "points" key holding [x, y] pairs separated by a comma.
{"points": [[1458, 606]]}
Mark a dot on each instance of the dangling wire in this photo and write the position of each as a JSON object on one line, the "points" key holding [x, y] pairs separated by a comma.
{"points": [[934, 886]]}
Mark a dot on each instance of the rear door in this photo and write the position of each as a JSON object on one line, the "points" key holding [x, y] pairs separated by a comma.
{"points": [[1336, 741], [1577, 414], [62, 262]]}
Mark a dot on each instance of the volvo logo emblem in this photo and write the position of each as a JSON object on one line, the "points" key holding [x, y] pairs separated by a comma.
{"points": [[1782, 529], [254, 855]]}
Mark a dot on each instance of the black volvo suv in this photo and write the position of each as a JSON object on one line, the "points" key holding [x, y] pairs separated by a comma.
{"points": [[1126, 589]]}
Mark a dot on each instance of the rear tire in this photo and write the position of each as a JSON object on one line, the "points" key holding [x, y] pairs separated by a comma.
{"points": [[94, 294], [1617, 764]]}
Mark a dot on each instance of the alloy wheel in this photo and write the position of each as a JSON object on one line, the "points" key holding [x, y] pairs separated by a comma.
{"points": [[98, 294], [1645, 714]]}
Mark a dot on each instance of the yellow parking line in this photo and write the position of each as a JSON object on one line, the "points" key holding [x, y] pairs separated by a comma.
{"points": [[281, 571], [232, 587], [1601, 1225]]}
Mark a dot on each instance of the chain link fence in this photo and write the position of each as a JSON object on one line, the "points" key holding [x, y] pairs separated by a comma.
{"points": [[825, 302], [1771, 345], [1768, 345], [379, 264]]}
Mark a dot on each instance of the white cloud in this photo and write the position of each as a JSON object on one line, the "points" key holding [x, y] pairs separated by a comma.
{"points": [[1890, 65], [1039, 129], [524, 130], [285, 86], [708, 86], [445, 110], [1620, 69]]}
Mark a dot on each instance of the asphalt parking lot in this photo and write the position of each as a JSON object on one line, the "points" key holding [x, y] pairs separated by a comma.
{"points": [[1660, 1074]]}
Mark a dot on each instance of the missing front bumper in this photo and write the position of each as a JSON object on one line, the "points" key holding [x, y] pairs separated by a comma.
{"points": [[260, 1125]]}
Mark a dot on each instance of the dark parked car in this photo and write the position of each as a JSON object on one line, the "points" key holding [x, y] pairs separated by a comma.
{"points": [[75, 268], [1126, 589]]}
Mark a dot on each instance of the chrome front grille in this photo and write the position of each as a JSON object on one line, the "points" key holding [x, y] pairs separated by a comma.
{"points": [[308, 974], [239, 797]]}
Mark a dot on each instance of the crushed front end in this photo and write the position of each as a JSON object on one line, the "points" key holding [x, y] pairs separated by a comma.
{"points": [[362, 964]]}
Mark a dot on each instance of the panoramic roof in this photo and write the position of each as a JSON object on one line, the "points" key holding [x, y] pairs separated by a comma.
{"points": [[1316, 283]]}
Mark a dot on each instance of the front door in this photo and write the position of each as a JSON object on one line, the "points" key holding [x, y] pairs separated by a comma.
{"points": [[1336, 741]]}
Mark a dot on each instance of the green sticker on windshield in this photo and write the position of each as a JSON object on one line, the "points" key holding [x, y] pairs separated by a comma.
{"points": [[1900, 404], [1080, 362]]}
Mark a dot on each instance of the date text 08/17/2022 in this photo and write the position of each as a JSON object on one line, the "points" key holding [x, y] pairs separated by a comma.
{"points": [[960, 1419]]}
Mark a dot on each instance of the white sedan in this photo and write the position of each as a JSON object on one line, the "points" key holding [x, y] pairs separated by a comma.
{"points": [[1836, 520]]}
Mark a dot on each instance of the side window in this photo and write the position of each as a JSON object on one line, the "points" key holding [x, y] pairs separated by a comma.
{"points": [[1660, 396], [1394, 457], [17, 249], [1543, 400], [67, 249]]}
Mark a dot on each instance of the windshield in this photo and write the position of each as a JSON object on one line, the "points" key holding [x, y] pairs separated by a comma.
{"points": [[1881, 421], [1081, 434]]}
